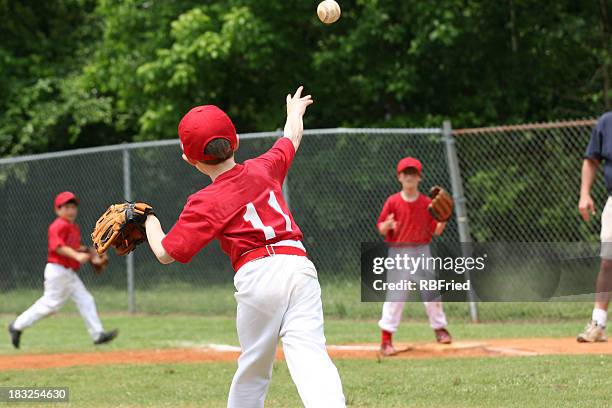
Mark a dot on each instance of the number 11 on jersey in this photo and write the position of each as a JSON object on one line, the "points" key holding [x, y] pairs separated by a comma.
{"points": [[251, 216]]}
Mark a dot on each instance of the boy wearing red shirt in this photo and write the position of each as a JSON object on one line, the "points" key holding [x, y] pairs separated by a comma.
{"points": [[61, 275], [405, 219], [277, 289]]}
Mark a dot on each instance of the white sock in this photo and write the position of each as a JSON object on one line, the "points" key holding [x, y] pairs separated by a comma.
{"points": [[600, 316]]}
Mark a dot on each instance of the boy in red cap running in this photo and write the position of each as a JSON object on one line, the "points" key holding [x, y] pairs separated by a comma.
{"points": [[62, 281], [406, 220], [277, 289]]}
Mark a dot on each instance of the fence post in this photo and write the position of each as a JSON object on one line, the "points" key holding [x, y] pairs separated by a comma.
{"points": [[127, 193], [460, 207]]}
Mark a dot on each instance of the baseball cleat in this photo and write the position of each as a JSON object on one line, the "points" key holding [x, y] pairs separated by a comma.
{"points": [[387, 350], [15, 335], [106, 337], [443, 336], [592, 333]]}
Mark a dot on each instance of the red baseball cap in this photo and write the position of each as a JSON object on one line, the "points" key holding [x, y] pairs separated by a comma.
{"points": [[63, 197], [407, 162], [201, 125]]}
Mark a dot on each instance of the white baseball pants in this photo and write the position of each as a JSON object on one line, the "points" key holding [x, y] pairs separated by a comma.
{"points": [[392, 310], [280, 297], [61, 284], [392, 315]]}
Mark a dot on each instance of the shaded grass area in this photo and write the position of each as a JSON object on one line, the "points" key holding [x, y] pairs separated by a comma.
{"points": [[543, 381], [66, 332], [341, 299]]}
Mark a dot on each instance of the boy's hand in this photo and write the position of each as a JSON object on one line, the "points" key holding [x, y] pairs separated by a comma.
{"points": [[296, 107], [439, 228], [387, 225], [82, 257], [297, 104], [390, 221], [586, 206]]}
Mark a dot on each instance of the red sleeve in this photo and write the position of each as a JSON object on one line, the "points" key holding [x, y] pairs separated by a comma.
{"points": [[192, 232], [279, 158], [57, 237], [386, 210]]}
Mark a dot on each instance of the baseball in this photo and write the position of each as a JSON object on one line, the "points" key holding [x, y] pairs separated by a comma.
{"points": [[328, 11]]}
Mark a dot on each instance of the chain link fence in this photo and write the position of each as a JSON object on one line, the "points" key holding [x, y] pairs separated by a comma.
{"points": [[521, 184]]}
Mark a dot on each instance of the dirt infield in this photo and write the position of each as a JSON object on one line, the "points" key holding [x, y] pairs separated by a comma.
{"points": [[197, 353]]}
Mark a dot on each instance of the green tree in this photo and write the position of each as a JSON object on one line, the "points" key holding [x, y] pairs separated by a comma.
{"points": [[44, 104]]}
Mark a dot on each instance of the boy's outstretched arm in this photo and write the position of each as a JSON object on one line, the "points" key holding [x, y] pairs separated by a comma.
{"points": [[80, 257], [155, 234], [296, 107]]}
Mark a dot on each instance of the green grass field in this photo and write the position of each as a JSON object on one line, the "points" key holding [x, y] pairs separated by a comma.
{"points": [[479, 382], [541, 381]]}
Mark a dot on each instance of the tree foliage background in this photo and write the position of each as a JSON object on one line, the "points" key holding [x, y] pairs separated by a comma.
{"points": [[77, 73]]}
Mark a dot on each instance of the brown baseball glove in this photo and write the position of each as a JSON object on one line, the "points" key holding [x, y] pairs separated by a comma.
{"points": [[121, 226], [441, 206]]}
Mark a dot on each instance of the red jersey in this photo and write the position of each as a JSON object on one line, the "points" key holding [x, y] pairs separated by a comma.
{"points": [[63, 233], [243, 208], [414, 223]]}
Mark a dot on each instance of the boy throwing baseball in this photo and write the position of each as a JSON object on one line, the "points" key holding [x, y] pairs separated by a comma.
{"points": [[405, 220], [277, 290], [65, 256]]}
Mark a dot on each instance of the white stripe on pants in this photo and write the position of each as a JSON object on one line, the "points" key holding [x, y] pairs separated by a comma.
{"points": [[280, 297], [606, 230], [61, 284], [392, 310]]}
